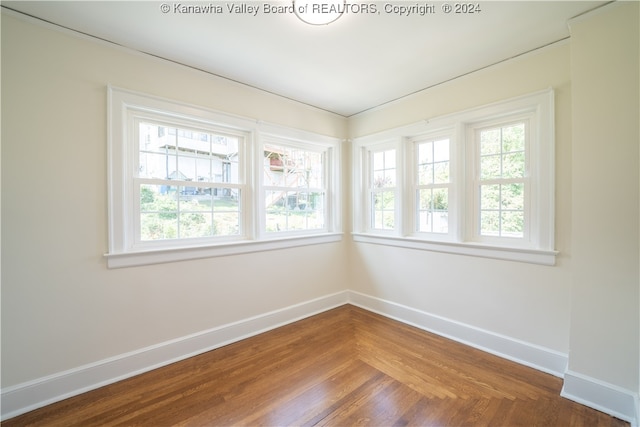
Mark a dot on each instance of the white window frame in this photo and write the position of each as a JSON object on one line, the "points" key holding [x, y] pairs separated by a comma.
{"points": [[126, 250], [132, 211], [412, 179], [530, 182], [369, 188], [463, 237], [330, 185]]}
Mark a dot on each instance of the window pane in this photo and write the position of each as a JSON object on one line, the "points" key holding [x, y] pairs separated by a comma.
{"points": [[512, 224], [425, 174], [378, 160], [441, 172], [433, 211], [154, 165], [158, 212], [513, 165], [490, 142], [390, 159], [425, 153], [173, 212], [194, 224], [155, 226], [513, 138], [293, 167], [441, 150], [182, 154], [433, 162], [384, 178], [156, 139], [489, 223], [489, 196], [502, 152], [502, 210], [383, 210], [159, 198], [384, 169], [384, 200], [186, 169], [513, 196], [292, 210], [203, 169], [490, 167], [502, 160]]}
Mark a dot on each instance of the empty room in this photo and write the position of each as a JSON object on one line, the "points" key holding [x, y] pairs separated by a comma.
{"points": [[320, 213]]}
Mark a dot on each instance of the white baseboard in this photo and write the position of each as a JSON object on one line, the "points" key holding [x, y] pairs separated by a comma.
{"points": [[31, 395], [528, 354], [596, 394], [28, 396], [604, 397]]}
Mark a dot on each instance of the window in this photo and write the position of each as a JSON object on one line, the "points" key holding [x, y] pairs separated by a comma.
{"points": [[382, 189], [186, 182], [501, 182], [478, 182], [295, 188], [188, 187], [432, 183]]}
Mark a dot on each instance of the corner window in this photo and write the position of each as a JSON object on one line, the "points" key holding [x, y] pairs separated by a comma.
{"points": [[478, 182], [186, 182]]}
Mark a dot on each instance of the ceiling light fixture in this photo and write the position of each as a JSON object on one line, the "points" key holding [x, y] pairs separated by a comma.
{"points": [[319, 12]]}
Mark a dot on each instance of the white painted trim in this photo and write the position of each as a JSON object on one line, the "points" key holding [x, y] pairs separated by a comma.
{"points": [[34, 394], [31, 395], [130, 259], [533, 256], [604, 397], [124, 107], [534, 356], [536, 247]]}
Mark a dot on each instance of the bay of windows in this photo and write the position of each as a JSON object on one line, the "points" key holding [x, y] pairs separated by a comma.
{"points": [[478, 182]]}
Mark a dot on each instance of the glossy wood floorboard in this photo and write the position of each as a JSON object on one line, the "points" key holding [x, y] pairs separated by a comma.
{"points": [[344, 367]]}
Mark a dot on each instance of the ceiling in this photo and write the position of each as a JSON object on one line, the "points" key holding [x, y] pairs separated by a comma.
{"points": [[360, 61]]}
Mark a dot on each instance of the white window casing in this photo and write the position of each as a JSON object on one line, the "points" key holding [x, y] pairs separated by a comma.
{"points": [[533, 242], [127, 110]]}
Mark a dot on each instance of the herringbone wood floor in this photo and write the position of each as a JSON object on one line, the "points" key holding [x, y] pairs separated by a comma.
{"points": [[343, 367]]}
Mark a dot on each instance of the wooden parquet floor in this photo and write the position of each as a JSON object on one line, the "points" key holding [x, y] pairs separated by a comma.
{"points": [[344, 367]]}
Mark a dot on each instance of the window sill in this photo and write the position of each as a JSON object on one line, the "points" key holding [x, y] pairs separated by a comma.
{"points": [[158, 256], [532, 256]]}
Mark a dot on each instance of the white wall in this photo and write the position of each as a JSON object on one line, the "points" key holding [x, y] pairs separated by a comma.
{"points": [[605, 320], [61, 307], [523, 301]]}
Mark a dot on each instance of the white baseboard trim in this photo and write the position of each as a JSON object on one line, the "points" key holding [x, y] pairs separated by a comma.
{"points": [[604, 397], [25, 397], [31, 395], [540, 358]]}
